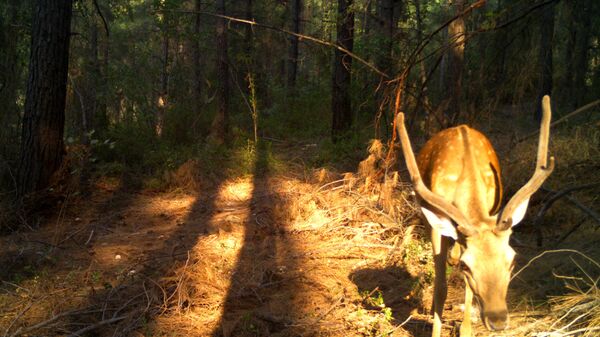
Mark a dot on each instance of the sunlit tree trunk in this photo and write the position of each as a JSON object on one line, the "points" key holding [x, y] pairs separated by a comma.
{"points": [[545, 55], [341, 103], [42, 147], [423, 95], [220, 124], [164, 86], [455, 63]]}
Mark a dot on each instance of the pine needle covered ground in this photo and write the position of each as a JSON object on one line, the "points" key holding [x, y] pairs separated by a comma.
{"points": [[279, 251]]}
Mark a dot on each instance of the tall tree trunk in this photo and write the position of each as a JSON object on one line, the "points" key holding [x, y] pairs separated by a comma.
{"points": [[423, 95], [296, 6], [582, 48], [10, 70], [545, 56], [42, 147], [567, 80], [454, 64], [341, 104], [385, 13], [92, 75], [249, 62], [499, 40], [164, 86], [220, 124], [197, 95], [102, 119]]}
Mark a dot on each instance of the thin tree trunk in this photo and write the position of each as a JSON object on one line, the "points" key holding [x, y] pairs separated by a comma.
{"points": [[220, 124], [500, 36], [545, 56], [341, 103], [296, 6], [102, 120], [423, 95], [92, 74], [42, 147], [249, 61], [385, 14], [567, 81], [582, 48], [454, 64], [197, 95], [164, 86]]}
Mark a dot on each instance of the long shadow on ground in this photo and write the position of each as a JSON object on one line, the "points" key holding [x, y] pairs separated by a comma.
{"points": [[133, 300], [258, 302]]}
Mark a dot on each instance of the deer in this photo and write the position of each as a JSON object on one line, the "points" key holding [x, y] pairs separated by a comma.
{"points": [[456, 178]]}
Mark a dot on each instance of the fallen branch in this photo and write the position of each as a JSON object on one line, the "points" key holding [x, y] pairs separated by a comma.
{"points": [[571, 231], [50, 321], [96, 326], [552, 252], [556, 196], [568, 333], [584, 208]]}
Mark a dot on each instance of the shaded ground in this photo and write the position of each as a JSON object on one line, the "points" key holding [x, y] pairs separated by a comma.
{"points": [[268, 254]]}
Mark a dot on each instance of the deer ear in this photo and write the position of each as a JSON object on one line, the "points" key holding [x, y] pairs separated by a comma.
{"points": [[519, 212], [441, 223]]}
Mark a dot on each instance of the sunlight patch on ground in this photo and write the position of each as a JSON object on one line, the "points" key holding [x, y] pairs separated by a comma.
{"points": [[173, 205], [206, 278], [239, 189]]}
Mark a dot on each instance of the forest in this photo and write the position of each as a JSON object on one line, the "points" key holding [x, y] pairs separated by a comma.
{"points": [[245, 168]]}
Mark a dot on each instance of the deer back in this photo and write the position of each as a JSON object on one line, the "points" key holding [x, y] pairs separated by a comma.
{"points": [[461, 165]]}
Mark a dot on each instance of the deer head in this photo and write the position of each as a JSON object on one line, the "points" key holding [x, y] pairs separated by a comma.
{"points": [[457, 178]]}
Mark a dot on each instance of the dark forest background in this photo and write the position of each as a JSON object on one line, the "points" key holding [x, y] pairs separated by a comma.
{"points": [[150, 83]]}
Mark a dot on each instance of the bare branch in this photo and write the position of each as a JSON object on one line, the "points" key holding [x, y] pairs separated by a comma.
{"points": [[96, 326], [102, 17], [564, 118], [289, 32]]}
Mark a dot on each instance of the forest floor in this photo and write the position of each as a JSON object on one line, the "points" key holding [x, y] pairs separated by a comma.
{"points": [[280, 252]]}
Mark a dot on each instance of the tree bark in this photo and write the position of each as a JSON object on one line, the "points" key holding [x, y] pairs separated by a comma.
{"points": [[220, 124], [102, 121], [42, 147], [454, 64], [341, 104], [582, 48], [10, 70], [164, 86], [423, 94], [567, 80], [296, 7], [197, 96], [92, 76], [385, 13], [545, 56]]}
